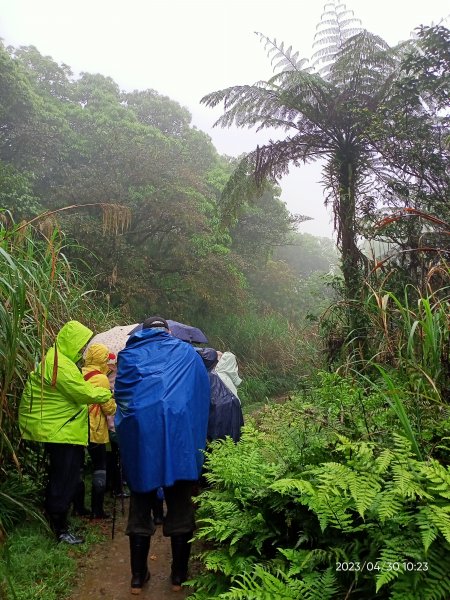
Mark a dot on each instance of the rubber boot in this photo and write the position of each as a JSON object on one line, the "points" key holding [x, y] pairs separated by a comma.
{"points": [[181, 550], [158, 511], [139, 548], [98, 495], [79, 510]]}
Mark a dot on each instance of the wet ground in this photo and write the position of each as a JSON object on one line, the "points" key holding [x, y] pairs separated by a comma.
{"points": [[105, 571]]}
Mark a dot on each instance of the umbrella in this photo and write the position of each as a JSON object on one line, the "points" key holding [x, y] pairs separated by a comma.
{"points": [[115, 338], [188, 333], [184, 332]]}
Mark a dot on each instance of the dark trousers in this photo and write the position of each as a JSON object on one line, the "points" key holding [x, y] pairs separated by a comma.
{"points": [[65, 462], [114, 480], [180, 516], [97, 452]]}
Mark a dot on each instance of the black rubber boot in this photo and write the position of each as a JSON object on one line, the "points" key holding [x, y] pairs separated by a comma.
{"points": [[181, 550], [97, 499], [98, 495], [139, 547], [79, 510], [158, 511]]}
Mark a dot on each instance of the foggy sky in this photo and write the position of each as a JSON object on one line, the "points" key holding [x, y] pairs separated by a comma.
{"points": [[187, 48]]}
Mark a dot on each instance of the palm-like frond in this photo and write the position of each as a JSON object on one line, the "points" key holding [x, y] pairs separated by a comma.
{"points": [[281, 57], [329, 112], [268, 163], [285, 101], [362, 64], [337, 25]]}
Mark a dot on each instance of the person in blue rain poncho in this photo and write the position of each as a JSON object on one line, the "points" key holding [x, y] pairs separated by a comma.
{"points": [[162, 393]]}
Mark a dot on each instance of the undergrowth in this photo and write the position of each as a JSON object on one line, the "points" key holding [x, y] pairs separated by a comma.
{"points": [[324, 480], [33, 566]]}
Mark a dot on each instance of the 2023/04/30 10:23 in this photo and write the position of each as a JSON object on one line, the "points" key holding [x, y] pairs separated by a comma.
{"points": [[380, 566]]}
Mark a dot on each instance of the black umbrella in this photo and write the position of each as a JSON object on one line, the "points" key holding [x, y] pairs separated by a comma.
{"points": [[188, 333], [184, 332]]}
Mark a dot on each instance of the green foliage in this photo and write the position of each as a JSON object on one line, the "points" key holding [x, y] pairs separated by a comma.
{"points": [[411, 334], [263, 585], [39, 292], [16, 193], [273, 355], [327, 112], [18, 500], [322, 477], [32, 566], [373, 506]]}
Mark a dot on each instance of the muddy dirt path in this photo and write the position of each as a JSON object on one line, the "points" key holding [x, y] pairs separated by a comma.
{"points": [[105, 571]]}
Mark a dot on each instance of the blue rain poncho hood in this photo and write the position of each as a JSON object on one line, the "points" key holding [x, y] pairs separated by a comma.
{"points": [[162, 394]]}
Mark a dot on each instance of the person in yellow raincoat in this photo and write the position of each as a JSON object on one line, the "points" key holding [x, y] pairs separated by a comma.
{"points": [[95, 371]]}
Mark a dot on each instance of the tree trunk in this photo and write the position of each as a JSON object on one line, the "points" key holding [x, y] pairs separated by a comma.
{"points": [[347, 231]]}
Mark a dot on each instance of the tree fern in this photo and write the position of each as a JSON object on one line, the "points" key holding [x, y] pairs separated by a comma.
{"points": [[327, 113], [337, 24], [281, 58]]}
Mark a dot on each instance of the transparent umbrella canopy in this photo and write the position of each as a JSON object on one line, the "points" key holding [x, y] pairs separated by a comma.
{"points": [[115, 338]]}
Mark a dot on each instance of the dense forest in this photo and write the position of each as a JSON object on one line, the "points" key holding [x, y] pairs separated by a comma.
{"points": [[114, 207]]}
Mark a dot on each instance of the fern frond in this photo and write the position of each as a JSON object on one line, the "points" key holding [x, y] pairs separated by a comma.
{"points": [[277, 52], [389, 556], [264, 585], [293, 486], [407, 483], [428, 529], [383, 461], [439, 476], [440, 517], [337, 24], [221, 561], [389, 504]]}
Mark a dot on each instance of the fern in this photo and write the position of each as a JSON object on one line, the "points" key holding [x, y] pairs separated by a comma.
{"points": [[277, 52], [439, 476], [263, 585], [294, 498], [222, 561], [428, 530]]}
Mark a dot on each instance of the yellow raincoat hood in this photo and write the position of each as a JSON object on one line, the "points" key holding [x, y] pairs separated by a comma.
{"points": [[96, 357]]}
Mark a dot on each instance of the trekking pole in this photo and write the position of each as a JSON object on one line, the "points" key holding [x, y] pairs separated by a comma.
{"points": [[119, 468], [113, 517], [122, 495]]}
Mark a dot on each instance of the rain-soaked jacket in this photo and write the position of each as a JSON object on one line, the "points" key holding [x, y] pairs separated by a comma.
{"points": [[94, 371], [53, 407], [162, 395]]}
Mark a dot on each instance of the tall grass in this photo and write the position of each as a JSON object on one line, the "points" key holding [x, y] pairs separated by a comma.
{"points": [[39, 292], [409, 342], [273, 355], [411, 334]]}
